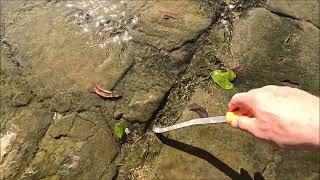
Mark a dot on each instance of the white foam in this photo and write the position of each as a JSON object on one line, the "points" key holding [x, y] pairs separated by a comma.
{"points": [[5, 143]]}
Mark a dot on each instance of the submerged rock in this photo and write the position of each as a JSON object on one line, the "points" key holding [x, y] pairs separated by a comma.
{"points": [[185, 21], [50, 62]]}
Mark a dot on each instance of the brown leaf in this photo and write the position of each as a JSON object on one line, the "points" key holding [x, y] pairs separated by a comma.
{"points": [[199, 110], [106, 93]]}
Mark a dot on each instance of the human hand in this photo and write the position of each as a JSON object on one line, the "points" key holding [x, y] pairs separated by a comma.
{"points": [[287, 116]]}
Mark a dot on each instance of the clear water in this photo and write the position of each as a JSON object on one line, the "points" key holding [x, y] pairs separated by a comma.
{"points": [[108, 20]]}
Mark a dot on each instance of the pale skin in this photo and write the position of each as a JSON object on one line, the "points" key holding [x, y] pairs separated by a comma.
{"points": [[287, 116]]}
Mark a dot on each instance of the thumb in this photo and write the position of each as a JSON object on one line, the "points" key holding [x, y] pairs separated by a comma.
{"points": [[245, 123]]}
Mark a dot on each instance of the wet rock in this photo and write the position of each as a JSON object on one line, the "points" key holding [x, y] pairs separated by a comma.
{"points": [[267, 45], [11, 85], [22, 99], [51, 61], [222, 152], [81, 129], [81, 149], [186, 21], [154, 70], [61, 63], [75, 101], [97, 154], [292, 162], [221, 142], [61, 126], [219, 151], [143, 104], [62, 104], [21, 137], [10, 11], [305, 10]]}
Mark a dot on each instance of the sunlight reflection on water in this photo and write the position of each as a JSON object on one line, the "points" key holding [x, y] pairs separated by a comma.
{"points": [[106, 19]]}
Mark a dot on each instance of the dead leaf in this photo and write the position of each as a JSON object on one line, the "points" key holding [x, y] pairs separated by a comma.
{"points": [[106, 93], [198, 109]]}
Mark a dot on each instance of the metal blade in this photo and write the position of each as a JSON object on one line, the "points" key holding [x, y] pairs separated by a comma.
{"points": [[209, 120]]}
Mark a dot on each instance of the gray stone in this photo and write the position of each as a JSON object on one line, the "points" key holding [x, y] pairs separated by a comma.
{"points": [[46, 50], [186, 20], [219, 147], [143, 104], [61, 126], [228, 145], [273, 50], [82, 150], [82, 129], [259, 38], [20, 140], [22, 99], [307, 10], [51, 61]]}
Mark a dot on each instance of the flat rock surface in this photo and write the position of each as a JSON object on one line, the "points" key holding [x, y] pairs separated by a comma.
{"points": [[270, 46], [217, 151], [305, 10], [158, 55]]}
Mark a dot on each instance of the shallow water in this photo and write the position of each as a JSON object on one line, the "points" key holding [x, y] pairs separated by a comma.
{"points": [[159, 56], [108, 20]]}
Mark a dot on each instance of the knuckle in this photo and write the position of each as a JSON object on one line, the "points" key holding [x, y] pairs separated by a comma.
{"points": [[253, 91], [271, 87], [241, 125], [262, 97], [285, 87]]}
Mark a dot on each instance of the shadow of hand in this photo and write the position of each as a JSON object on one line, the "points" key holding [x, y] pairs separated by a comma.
{"points": [[205, 155]]}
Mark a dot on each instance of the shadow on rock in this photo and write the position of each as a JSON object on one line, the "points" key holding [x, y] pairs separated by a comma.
{"points": [[205, 155]]}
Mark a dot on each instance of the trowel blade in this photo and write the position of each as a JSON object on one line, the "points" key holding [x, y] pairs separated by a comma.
{"points": [[198, 121]]}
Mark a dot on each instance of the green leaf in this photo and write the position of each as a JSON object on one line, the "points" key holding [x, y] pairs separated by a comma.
{"points": [[223, 78], [119, 130]]}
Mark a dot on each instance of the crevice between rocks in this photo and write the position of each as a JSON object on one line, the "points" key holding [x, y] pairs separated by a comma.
{"points": [[124, 73], [192, 41], [265, 167], [142, 9], [176, 86], [25, 167], [290, 83], [147, 44], [11, 52], [65, 135], [202, 34], [163, 103], [108, 167], [285, 15]]}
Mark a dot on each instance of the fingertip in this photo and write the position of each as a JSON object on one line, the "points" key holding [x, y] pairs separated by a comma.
{"points": [[240, 100], [232, 107], [234, 124]]}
